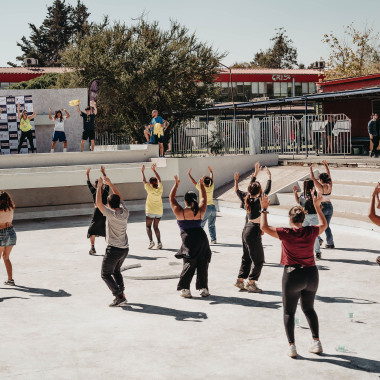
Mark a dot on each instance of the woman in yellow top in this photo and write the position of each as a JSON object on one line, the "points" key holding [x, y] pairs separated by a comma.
{"points": [[153, 207], [210, 214], [25, 127]]}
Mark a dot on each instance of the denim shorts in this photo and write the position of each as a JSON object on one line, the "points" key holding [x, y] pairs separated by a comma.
{"points": [[7, 237], [154, 216]]}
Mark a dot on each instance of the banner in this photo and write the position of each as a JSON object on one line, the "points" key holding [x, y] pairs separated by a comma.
{"points": [[10, 125]]}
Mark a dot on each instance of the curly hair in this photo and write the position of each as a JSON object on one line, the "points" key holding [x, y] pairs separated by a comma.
{"points": [[6, 203], [154, 182]]}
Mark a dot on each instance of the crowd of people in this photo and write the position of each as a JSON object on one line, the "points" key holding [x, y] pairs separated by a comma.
{"points": [[308, 219]]}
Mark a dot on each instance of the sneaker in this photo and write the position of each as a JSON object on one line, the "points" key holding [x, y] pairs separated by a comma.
{"points": [[318, 255], [330, 246], [151, 245], [204, 292], [159, 245], [213, 241], [185, 293], [252, 288], [240, 284], [9, 282], [292, 351], [320, 241], [119, 301], [316, 347], [92, 251]]}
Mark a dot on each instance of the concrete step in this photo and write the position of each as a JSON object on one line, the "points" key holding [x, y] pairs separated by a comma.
{"points": [[354, 205], [355, 175], [356, 189], [340, 218]]}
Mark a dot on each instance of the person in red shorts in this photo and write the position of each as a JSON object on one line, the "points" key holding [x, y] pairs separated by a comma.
{"points": [[300, 278]]}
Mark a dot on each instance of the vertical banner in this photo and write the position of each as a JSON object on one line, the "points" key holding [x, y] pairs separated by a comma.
{"points": [[10, 125], [93, 93]]}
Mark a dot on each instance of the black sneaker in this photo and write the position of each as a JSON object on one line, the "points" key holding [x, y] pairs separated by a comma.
{"points": [[92, 251], [330, 246], [118, 301], [318, 255]]}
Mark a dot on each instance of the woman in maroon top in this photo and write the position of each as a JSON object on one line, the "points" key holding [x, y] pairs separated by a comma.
{"points": [[300, 278]]}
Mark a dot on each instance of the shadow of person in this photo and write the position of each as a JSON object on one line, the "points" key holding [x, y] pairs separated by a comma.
{"points": [[349, 261], [362, 250], [179, 315], [146, 257], [347, 361], [360, 301], [218, 300], [39, 291], [9, 298]]}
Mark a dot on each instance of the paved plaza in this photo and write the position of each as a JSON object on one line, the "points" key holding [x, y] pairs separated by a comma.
{"points": [[56, 323]]}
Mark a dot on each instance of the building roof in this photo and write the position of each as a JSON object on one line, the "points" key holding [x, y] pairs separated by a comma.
{"points": [[35, 70], [350, 79], [271, 71]]}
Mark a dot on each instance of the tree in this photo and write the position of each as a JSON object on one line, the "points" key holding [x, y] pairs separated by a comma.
{"points": [[281, 55], [354, 54], [47, 42], [142, 68]]}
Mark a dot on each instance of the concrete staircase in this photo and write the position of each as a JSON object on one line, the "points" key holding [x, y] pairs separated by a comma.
{"points": [[352, 189]]}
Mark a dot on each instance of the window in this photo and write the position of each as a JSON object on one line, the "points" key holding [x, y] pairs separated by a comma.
{"points": [[261, 89], [312, 88], [277, 89], [305, 88], [240, 88], [298, 88], [4, 84], [269, 91], [255, 89]]}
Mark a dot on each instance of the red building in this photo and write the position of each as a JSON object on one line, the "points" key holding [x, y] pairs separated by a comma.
{"points": [[358, 109], [249, 84], [11, 75]]}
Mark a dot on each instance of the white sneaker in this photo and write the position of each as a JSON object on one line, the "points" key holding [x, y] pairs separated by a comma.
{"points": [[252, 288], [292, 351], [151, 245], [204, 292], [213, 241], [159, 246], [316, 347], [185, 293]]}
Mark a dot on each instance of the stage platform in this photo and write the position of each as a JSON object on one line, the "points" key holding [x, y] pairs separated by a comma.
{"points": [[52, 185]]}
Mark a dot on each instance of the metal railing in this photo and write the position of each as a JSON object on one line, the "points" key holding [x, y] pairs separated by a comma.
{"points": [[109, 138], [320, 134], [225, 137]]}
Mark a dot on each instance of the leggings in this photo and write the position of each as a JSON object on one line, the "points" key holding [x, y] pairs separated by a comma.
{"points": [[300, 283], [26, 135], [253, 253]]}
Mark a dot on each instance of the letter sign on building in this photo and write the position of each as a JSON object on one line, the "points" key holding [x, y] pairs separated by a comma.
{"points": [[280, 77]]}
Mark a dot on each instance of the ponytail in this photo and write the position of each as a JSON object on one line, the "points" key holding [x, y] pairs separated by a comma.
{"points": [[195, 207], [191, 200]]}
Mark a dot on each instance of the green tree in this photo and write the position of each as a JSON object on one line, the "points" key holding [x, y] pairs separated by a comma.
{"points": [[141, 68], [281, 55], [356, 53], [47, 42]]}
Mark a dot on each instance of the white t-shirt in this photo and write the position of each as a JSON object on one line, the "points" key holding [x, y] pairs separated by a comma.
{"points": [[59, 125], [116, 226]]}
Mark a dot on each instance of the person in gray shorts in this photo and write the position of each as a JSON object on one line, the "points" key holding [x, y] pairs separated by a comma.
{"points": [[116, 214]]}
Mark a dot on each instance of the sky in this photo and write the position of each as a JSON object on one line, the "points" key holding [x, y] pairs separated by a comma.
{"points": [[239, 28]]}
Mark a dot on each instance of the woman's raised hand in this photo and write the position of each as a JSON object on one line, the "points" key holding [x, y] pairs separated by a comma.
{"points": [[88, 171], [201, 181], [268, 172], [264, 201], [236, 176], [176, 179], [153, 167], [295, 189], [257, 167], [143, 168]]}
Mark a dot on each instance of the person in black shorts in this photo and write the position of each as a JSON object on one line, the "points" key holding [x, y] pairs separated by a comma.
{"points": [[88, 125]]}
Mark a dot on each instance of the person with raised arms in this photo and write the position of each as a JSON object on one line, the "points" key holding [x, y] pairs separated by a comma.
{"points": [[210, 214], [300, 277], [25, 127], [116, 214], [88, 125], [153, 206], [59, 128], [195, 249]]}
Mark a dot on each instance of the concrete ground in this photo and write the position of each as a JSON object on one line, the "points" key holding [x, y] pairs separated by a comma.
{"points": [[56, 323]]}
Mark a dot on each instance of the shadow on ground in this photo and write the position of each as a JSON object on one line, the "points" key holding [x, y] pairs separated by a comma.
{"points": [[220, 300], [9, 298], [39, 291], [179, 315], [347, 361]]}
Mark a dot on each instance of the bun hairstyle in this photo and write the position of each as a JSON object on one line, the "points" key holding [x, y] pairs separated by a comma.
{"points": [[254, 188], [6, 203], [297, 214], [325, 178], [191, 200], [154, 182], [208, 181]]}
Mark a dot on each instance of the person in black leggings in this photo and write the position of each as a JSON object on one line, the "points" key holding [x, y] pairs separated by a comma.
{"points": [[372, 210], [300, 278], [253, 253]]}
